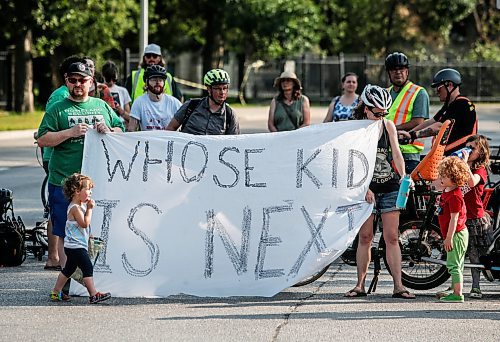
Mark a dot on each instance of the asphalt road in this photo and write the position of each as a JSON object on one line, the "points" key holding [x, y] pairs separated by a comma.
{"points": [[316, 312]]}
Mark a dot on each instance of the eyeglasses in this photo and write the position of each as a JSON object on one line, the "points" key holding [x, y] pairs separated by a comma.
{"points": [[156, 80], [221, 89], [472, 148], [75, 80], [395, 70], [150, 55], [377, 114]]}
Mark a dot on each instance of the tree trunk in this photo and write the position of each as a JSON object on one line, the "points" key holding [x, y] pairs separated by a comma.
{"points": [[213, 50], [208, 48], [390, 22], [23, 79]]}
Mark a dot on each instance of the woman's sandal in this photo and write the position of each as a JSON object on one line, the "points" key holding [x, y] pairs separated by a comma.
{"points": [[355, 293], [405, 294]]}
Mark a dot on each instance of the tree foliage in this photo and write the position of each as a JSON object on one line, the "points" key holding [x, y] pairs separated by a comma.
{"points": [[421, 27], [273, 29], [256, 29], [91, 27]]}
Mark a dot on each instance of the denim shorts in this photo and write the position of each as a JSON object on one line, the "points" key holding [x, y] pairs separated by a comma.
{"points": [[58, 210], [385, 202]]}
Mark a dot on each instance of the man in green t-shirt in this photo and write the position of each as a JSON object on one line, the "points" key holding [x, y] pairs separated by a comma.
{"points": [[63, 127], [57, 95]]}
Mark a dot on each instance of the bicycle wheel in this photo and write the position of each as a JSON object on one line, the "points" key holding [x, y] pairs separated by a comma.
{"points": [[416, 273], [312, 278], [495, 208], [44, 191]]}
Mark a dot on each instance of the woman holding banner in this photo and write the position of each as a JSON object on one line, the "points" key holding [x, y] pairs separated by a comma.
{"points": [[289, 109], [383, 192]]}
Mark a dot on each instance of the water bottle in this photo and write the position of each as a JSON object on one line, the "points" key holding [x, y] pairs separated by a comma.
{"points": [[404, 190], [460, 153]]}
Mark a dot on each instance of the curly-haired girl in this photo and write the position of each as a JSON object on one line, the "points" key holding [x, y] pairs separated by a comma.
{"points": [[478, 221], [77, 188], [453, 173]]}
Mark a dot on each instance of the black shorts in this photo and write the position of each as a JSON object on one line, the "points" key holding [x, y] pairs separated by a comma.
{"points": [[78, 257]]}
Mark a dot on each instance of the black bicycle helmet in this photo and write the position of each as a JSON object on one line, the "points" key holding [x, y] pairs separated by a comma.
{"points": [[446, 75], [396, 60], [154, 71]]}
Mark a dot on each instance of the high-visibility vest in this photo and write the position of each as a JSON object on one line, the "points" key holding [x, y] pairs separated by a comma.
{"points": [[401, 112], [138, 84]]}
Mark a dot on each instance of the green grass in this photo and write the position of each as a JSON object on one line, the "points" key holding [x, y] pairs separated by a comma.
{"points": [[10, 121]]}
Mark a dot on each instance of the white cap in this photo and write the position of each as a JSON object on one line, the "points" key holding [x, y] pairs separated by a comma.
{"points": [[153, 48]]}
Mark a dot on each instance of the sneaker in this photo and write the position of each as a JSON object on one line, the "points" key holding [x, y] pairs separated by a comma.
{"points": [[444, 293], [99, 297], [475, 293], [59, 296], [452, 298]]}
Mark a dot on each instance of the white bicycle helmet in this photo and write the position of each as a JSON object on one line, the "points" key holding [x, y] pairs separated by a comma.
{"points": [[375, 96]]}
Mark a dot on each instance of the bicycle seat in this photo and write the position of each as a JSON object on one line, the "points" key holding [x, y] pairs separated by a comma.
{"points": [[427, 169]]}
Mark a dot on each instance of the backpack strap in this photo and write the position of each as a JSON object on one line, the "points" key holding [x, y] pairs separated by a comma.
{"points": [[193, 104], [229, 117]]}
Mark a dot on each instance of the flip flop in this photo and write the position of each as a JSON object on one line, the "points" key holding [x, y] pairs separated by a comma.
{"points": [[401, 295], [357, 293], [52, 268]]}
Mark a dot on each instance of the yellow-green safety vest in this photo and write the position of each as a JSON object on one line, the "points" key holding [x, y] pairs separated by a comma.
{"points": [[401, 111], [138, 84]]}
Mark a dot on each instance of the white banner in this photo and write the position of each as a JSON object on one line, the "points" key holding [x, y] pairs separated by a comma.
{"points": [[246, 215]]}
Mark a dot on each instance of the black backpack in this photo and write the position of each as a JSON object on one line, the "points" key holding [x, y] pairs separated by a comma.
{"points": [[12, 230]]}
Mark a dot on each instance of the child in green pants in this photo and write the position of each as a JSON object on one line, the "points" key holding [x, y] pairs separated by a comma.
{"points": [[453, 173]]}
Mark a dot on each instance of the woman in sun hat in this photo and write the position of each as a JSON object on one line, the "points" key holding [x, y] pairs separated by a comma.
{"points": [[289, 109]]}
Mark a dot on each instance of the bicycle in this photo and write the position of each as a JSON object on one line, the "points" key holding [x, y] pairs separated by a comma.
{"points": [[420, 236], [36, 238], [44, 189], [492, 189]]}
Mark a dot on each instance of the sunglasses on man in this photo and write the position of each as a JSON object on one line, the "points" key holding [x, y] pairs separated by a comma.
{"points": [[75, 80]]}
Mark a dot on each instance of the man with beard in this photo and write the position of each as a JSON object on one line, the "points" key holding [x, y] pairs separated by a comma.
{"points": [[135, 84], [153, 110], [410, 106], [63, 127], [210, 115]]}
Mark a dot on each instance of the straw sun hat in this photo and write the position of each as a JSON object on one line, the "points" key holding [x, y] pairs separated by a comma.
{"points": [[289, 75]]}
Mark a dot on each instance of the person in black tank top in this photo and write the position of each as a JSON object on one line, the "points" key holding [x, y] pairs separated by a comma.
{"points": [[382, 192]]}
